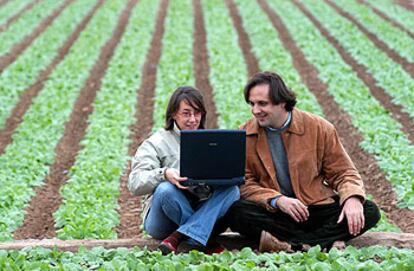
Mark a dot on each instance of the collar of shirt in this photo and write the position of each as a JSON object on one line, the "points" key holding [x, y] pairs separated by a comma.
{"points": [[284, 126]]}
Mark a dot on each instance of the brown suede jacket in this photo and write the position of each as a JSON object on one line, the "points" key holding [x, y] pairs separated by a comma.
{"points": [[319, 166]]}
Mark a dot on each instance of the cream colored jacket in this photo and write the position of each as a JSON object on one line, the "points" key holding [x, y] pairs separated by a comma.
{"points": [[157, 153]]}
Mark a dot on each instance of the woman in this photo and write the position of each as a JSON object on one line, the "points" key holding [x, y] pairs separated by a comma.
{"points": [[183, 217]]}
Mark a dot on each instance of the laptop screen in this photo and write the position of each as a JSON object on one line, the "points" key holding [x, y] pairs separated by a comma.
{"points": [[212, 154]]}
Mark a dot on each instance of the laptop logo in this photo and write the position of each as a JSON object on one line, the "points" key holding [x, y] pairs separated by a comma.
{"points": [[213, 144]]}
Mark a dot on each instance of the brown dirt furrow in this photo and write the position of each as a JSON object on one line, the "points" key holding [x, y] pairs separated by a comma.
{"points": [[3, 2], [375, 181], [244, 41], [378, 92], [18, 48], [18, 14], [408, 4], [39, 222], [130, 210], [26, 98], [407, 66], [201, 65], [388, 19]]}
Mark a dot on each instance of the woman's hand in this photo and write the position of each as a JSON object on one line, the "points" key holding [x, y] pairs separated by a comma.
{"points": [[173, 176]]}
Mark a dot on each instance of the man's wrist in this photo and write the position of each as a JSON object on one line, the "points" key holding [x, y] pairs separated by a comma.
{"points": [[273, 202]]}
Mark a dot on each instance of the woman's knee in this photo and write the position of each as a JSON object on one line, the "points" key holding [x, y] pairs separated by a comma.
{"points": [[156, 231], [165, 189]]}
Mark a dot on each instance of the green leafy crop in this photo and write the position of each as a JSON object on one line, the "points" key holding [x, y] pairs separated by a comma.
{"points": [[91, 195]]}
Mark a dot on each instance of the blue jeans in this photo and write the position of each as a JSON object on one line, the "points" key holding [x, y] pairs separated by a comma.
{"points": [[172, 210]]}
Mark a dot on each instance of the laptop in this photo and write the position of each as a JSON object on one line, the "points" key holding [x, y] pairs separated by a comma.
{"points": [[213, 157]]}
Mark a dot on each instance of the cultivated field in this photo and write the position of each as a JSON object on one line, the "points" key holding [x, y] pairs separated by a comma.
{"points": [[83, 82]]}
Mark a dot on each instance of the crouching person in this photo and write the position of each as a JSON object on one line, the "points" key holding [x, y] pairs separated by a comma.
{"points": [[182, 217], [301, 186]]}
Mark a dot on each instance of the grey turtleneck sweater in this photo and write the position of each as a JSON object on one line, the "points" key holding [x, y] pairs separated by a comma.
{"points": [[279, 157]]}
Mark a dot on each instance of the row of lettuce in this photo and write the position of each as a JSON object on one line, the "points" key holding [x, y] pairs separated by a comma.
{"points": [[10, 9], [175, 66], [397, 13], [24, 72], [389, 75], [372, 258], [90, 196], [267, 46], [395, 38], [26, 160], [382, 134], [26, 24]]}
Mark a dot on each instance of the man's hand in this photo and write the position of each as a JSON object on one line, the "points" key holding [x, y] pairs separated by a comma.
{"points": [[353, 210], [293, 207], [173, 176]]}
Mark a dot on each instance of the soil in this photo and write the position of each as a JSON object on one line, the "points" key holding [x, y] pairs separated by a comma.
{"points": [[387, 18], [130, 209], [201, 65], [244, 41], [407, 66], [375, 180], [39, 221], [12, 19], [18, 48], [408, 4], [26, 98], [3, 2], [378, 92]]}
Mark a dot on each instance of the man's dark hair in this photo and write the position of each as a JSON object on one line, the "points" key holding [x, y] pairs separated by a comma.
{"points": [[193, 97], [278, 91]]}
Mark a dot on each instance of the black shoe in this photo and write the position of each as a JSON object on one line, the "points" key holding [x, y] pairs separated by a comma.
{"points": [[187, 245], [166, 248]]}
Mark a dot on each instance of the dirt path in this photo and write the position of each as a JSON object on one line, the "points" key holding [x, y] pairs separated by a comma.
{"points": [[130, 210], [26, 98], [3, 2], [39, 221], [18, 14], [378, 92], [244, 41], [408, 4], [201, 65], [375, 181], [18, 48], [387, 18], [407, 66]]}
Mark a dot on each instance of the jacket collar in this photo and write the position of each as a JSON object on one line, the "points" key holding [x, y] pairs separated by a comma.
{"points": [[176, 130], [296, 125]]}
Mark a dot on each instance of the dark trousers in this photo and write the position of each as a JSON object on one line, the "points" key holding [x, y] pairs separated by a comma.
{"points": [[321, 228]]}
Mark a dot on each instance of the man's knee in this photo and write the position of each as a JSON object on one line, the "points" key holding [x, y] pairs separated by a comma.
{"points": [[243, 210], [372, 214]]}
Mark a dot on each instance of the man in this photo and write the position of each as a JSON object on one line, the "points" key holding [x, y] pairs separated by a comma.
{"points": [[301, 186]]}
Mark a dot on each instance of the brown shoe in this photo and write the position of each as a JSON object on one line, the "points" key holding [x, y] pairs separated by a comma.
{"points": [[340, 245], [269, 243]]}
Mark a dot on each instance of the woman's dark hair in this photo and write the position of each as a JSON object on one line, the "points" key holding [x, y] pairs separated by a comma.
{"points": [[193, 97], [278, 91]]}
